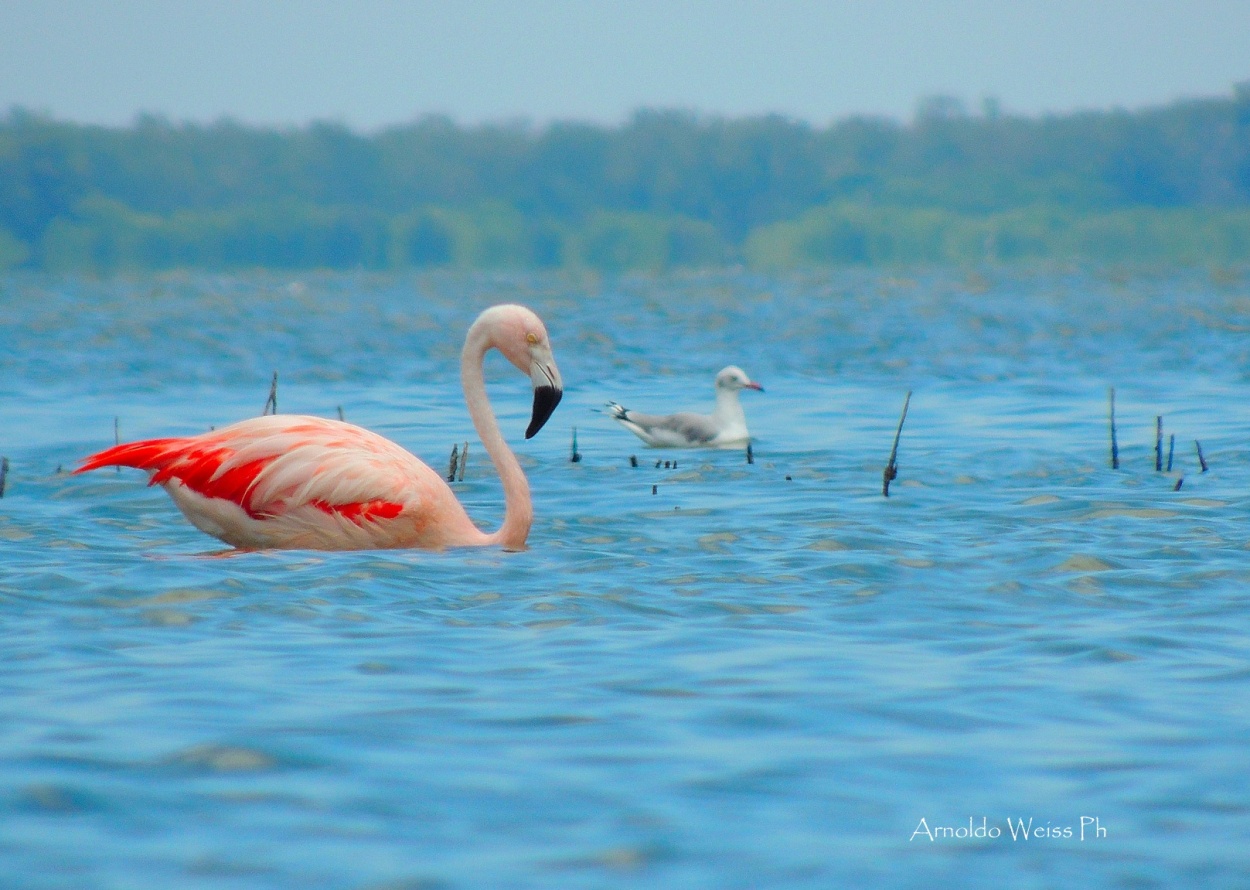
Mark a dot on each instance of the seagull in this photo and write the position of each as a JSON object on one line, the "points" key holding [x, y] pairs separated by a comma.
{"points": [[725, 427]]}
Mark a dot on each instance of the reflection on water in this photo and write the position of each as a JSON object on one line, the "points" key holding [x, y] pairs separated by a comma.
{"points": [[758, 675]]}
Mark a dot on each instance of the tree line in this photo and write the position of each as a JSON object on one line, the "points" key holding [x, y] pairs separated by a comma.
{"points": [[665, 189]]}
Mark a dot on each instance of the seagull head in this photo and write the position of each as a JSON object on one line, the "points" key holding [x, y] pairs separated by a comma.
{"points": [[734, 378]]}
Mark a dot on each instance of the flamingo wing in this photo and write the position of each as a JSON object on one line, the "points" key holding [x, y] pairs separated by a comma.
{"points": [[293, 481]]}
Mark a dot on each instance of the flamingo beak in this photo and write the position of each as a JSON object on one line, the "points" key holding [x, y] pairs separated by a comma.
{"points": [[548, 390]]}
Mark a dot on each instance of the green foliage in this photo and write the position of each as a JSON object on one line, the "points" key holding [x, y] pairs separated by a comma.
{"points": [[107, 236], [619, 242], [666, 189], [842, 234]]}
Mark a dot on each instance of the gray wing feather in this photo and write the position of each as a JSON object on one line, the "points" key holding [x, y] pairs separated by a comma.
{"points": [[694, 428]]}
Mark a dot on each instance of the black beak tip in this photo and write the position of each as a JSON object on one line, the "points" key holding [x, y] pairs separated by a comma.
{"points": [[545, 400]]}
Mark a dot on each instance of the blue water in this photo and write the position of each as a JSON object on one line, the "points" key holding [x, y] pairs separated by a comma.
{"points": [[760, 675]]}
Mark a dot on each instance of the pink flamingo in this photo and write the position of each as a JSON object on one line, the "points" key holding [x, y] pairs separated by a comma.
{"points": [[288, 481]]}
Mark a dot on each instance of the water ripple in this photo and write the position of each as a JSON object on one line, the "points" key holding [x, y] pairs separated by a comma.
{"points": [[718, 674]]}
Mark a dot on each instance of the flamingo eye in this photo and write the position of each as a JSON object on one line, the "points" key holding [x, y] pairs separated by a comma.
{"points": [[531, 338]]}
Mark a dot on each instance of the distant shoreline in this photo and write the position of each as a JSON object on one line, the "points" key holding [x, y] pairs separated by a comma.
{"points": [[666, 190]]}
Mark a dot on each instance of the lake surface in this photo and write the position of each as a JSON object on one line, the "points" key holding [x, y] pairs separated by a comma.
{"points": [[712, 675]]}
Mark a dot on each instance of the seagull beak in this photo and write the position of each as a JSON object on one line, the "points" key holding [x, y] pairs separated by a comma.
{"points": [[754, 385], [548, 390]]}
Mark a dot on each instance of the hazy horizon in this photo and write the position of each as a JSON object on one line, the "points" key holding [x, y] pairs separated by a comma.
{"points": [[381, 64]]}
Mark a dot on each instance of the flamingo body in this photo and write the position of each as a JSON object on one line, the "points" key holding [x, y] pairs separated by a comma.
{"points": [[290, 481]]}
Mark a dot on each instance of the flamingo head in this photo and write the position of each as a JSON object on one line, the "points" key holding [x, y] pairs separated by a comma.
{"points": [[734, 378], [522, 337]]}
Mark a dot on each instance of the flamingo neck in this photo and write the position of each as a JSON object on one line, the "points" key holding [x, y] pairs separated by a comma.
{"points": [[518, 508]]}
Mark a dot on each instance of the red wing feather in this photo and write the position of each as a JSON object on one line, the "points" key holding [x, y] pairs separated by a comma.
{"points": [[149, 454], [193, 463], [361, 513], [196, 464]]}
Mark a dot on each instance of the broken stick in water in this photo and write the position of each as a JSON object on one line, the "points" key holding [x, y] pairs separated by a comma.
{"points": [[750, 454], [464, 459], [575, 457], [1202, 461], [4, 473], [117, 435], [1115, 448], [340, 412], [451, 467], [891, 469], [1159, 443], [272, 401], [1171, 449], [1180, 480], [633, 460]]}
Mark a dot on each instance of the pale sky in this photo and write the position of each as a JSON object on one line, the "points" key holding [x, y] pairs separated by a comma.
{"points": [[373, 63]]}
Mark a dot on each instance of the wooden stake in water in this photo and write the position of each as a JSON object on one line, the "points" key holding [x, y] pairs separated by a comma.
{"points": [[1159, 443], [1115, 448], [633, 460], [1171, 449], [891, 469], [574, 457], [750, 454], [340, 412], [1202, 461], [272, 401], [464, 460], [4, 473], [455, 460]]}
